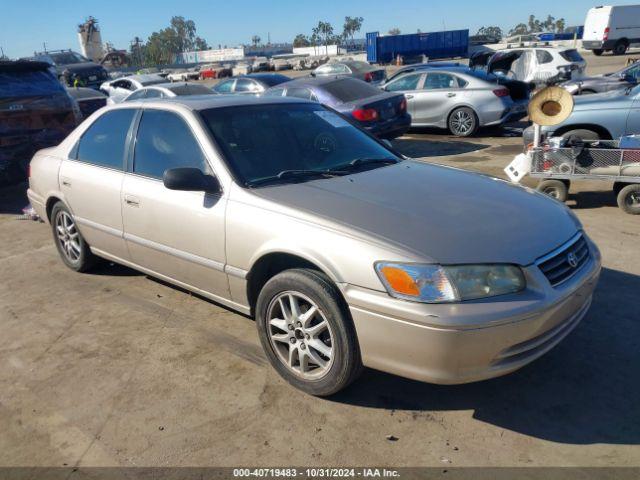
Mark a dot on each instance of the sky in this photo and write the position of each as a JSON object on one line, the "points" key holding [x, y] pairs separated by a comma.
{"points": [[26, 24]]}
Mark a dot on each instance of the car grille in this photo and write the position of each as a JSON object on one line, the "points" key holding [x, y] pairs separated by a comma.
{"points": [[563, 263]]}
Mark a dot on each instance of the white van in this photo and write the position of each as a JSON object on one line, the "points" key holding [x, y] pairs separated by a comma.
{"points": [[612, 28]]}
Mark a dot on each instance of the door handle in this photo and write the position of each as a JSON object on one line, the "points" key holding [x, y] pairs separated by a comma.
{"points": [[131, 201], [451, 94], [66, 182], [409, 96]]}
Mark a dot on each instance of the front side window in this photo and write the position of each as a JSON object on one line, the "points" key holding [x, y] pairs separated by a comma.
{"points": [[408, 82], [543, 57], [103, 144], [274, 92], [260, 142], [153, 93], [140, 94], [224, 87], [298, 92], [244, 85], [165, 141]]}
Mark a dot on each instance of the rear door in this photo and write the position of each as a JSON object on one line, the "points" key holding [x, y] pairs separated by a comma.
{"points": [[91, 180], [410, 86], [438, 95], [173, 233]]}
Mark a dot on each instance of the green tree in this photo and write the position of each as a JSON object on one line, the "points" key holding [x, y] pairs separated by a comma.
{"points": [[493, 32], [519, 29], [394, 31], [352, 25], [560, 25], [180, 36], [301, 40], [255, 40], [324, 30]]}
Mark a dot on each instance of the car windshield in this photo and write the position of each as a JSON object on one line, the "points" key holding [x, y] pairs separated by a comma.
{"points": [[572, 56], [67, 58], [349, 89], [291, 142]]}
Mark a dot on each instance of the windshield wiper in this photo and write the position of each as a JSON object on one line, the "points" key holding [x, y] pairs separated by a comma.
{"points": [[362, 162], [295, 174]]}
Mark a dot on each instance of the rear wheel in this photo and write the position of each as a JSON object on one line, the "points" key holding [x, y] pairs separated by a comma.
{"points": [[620, 48], [555, 189], [598, 52], [463, 122], [307, 333], [629, 199], [582, 133], [72, 247]]}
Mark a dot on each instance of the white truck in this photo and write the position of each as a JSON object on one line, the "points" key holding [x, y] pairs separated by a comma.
{"points": [[611, 28]]}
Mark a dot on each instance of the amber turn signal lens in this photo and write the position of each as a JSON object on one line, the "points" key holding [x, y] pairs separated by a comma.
{"points": [[400, 281]]}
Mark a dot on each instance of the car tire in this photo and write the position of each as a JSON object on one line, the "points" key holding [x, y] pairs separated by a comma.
{"points": [[582, 133], [324, 344], [598, 52], [556, 189], [463, 122], [620, 48], [629, 199], [72, 247]]}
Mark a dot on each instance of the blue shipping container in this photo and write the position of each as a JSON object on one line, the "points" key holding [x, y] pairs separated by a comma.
{"points": [[435, 45]]}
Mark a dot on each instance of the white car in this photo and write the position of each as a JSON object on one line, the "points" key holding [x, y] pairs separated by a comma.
{"points": [[169, 90], [183, 75], [539, 64], [121, 88]]}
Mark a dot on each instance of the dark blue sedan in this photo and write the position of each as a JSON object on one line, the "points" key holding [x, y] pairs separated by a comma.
{"points": [[383, 114]]}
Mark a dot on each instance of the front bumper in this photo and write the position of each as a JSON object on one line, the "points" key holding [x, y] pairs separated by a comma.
{"points": [[470, 341]]}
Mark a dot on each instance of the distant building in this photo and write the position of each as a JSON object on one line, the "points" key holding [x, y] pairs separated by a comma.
{"points": [[91, 40]]}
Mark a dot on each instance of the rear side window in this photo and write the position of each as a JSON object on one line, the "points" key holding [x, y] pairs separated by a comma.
{"points": [[165, 141], [274, 92], [298, 92], [571, 55], [436, 81], [348, 90], [103, 144], [244, 85]]}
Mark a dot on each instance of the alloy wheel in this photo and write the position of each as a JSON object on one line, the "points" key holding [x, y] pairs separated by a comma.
{"points": [[300, 335], [461, 122], [68, 237]]}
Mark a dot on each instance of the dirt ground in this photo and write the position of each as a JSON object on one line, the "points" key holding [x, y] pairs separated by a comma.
{"points": [[113, 368]]}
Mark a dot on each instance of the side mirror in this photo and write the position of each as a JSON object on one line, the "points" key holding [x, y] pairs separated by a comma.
{"points": [[190, 180], [387, 142]]}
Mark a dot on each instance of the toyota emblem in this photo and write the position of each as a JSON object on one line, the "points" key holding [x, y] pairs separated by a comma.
{"points": [[572, 260]]}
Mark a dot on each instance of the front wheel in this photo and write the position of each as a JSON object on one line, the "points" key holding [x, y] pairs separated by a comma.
{"points": [[555, 189], [463, 122], [629, 199], [72, 247], [307, 333], [620, 48]]}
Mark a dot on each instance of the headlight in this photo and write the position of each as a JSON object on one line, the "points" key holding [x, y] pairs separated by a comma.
{"points": [[453, 283]]}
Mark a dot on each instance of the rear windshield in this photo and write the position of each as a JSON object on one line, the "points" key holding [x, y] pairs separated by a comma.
{"points": [[191, 90], [28, 84], [261, 141], [571, 56], [68, 58], [348, 90]]}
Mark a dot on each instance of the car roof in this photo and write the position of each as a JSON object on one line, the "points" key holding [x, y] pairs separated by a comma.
{"points": [[317, 81], [205, 102], [142, 78]]}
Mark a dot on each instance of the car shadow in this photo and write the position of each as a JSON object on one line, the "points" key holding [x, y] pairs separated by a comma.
{"points": [[584, 391], [598, 199], [419, 148], [13, 198]]}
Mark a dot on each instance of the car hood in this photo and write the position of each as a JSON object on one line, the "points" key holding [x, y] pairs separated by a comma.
{"points": [[599, 101], [442, 214]]}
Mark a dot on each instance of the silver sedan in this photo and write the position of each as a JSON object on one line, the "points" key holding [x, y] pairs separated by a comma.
{"points": [[346, 253], [459, 99]]}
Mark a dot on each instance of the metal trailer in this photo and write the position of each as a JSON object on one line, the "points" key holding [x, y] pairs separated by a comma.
{"points": [[558, 167], [434, 45]]}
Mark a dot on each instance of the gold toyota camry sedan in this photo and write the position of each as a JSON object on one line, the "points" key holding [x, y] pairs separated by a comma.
{"points": [[345, 252]]}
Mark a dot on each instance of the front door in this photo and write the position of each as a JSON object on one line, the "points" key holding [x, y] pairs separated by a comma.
{"points": [[438, 95], [173, 233], [91, 180], [409, 85]]}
